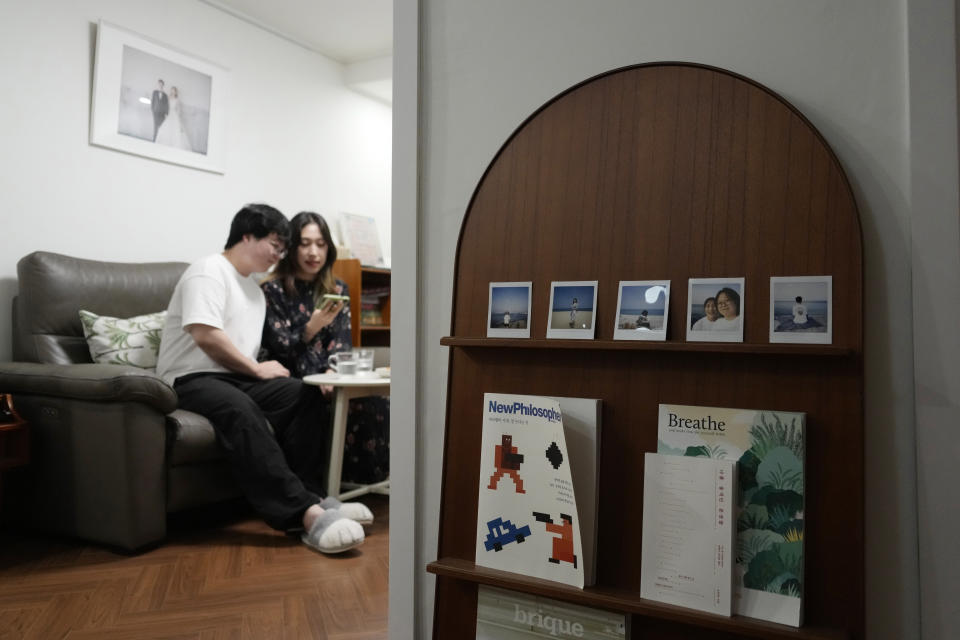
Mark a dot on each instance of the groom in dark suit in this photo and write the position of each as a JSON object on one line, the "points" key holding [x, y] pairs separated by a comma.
{"points": [[160, 106]]}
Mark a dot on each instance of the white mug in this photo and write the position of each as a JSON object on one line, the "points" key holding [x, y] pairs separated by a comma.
{"points": [[343, 362]]}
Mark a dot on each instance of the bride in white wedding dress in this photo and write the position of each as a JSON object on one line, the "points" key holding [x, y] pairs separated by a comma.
{"points": [[172, 131]]}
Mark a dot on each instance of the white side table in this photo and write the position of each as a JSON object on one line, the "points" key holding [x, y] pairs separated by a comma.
{"points": [[345, 388]]}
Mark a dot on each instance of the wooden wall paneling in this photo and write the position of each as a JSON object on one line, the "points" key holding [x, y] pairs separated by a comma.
{"points": [[664, 171]]}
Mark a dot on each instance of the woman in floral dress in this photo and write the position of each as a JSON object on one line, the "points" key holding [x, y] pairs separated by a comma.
{"points": [[301, 331]]}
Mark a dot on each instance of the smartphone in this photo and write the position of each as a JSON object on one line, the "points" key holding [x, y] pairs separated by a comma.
{"points": [[330, 299]]}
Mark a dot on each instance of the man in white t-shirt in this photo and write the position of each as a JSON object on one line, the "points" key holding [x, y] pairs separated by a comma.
{"points": [[269, 424]]}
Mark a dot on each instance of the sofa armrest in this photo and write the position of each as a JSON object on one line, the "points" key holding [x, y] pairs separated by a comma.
{"points": [[93, 382]]}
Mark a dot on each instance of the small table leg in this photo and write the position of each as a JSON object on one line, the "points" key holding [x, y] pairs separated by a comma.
{"points": [[341, 404]]}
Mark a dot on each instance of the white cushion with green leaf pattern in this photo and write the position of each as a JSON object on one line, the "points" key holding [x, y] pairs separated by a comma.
{"points": [[133, 341]]}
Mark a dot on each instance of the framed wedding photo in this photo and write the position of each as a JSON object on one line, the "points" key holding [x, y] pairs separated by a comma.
{"points": [[508, 310], [154, 101], [642, 307], [572, 306], [715, 310], [801, 309]]}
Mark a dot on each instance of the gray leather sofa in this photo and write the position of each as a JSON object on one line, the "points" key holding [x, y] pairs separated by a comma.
{"points": [[111, 453]]}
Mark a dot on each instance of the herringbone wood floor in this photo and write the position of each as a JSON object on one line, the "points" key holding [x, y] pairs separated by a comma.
{"points": [[234, 579]]}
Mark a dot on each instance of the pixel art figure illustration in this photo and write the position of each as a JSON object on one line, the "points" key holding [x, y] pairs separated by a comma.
{"points": [[563, 543], [507, 461]]}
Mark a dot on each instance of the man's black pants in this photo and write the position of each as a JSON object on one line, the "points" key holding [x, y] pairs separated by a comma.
{"points": [[277, 471]]}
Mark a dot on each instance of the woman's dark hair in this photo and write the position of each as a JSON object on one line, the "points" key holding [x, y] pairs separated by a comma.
{"points": [[799, 299], [732, 295], [286, 269], [708, 300], [260, 220]]}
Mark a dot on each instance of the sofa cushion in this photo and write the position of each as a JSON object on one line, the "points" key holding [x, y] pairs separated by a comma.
{"points": [[134, 341]]}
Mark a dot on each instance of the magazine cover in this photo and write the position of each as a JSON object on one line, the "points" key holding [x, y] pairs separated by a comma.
{"points": [[527, 520], [769, 448], [581, 430], [511, 615], [687, 550]]}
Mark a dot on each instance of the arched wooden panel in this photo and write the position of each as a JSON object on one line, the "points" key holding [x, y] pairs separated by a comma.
{"points": [[662, 171]]}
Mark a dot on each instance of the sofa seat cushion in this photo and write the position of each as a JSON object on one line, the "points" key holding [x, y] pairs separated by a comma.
{"points": [[190, 439]]}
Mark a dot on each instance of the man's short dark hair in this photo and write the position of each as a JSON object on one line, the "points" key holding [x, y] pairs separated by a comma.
{"points": [[259, 219]]}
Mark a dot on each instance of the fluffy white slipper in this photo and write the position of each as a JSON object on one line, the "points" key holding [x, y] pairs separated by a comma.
{"points": [[354, 510], [333, 532]]}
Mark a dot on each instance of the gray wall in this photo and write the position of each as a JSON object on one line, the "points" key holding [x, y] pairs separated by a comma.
{"points": [[935, 259], [870, 76]]}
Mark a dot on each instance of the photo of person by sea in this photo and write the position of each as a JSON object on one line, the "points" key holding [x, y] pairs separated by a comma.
{"points": [[572, 306], [801, 309], [642, 307], [508, 311], [715, 310]]}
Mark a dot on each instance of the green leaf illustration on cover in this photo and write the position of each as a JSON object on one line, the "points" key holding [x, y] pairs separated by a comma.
{"points": [[769, 449]]}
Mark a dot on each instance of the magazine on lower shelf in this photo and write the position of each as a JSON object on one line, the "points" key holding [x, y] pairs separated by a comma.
{"points": [[769, 449], [530, 516], [511, 615], [686, 555]]}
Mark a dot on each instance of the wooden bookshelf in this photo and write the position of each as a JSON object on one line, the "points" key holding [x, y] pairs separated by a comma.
{"points": [[359, 279], [661, 171]]}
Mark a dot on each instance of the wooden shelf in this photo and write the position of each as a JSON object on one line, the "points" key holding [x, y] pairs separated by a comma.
{"points": [[358, 278], [376, 270], [637, 345], [669, 172], [627, 602]]}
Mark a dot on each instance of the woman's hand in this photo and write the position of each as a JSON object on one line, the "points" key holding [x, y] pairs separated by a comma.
{"points": [[321, 318]]}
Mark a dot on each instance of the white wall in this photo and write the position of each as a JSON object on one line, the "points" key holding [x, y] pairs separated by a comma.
{"points": [[487, 66], [297, 139]]}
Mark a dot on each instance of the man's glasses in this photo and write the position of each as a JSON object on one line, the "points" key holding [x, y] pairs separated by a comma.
{"points": [[278, 249]]}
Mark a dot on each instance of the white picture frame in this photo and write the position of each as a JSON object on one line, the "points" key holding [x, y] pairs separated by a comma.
{"points": [[801, 309], [127, 112], [508, 309], [699, 326], [572, 311], [361, 236], [643, 308]]}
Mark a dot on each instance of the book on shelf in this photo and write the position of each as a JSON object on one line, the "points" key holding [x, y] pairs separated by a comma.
{"points": [[769, 449], [686, 556], [511, 615], [581, 430], [537, 502], [374, 294], [371, 315]]}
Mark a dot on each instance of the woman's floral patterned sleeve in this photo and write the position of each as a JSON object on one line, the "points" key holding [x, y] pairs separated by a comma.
{"points": [[337, 335], [281, 339]]}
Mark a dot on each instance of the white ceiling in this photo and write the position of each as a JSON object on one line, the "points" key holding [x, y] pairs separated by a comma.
{"points": [[356, 33]]}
